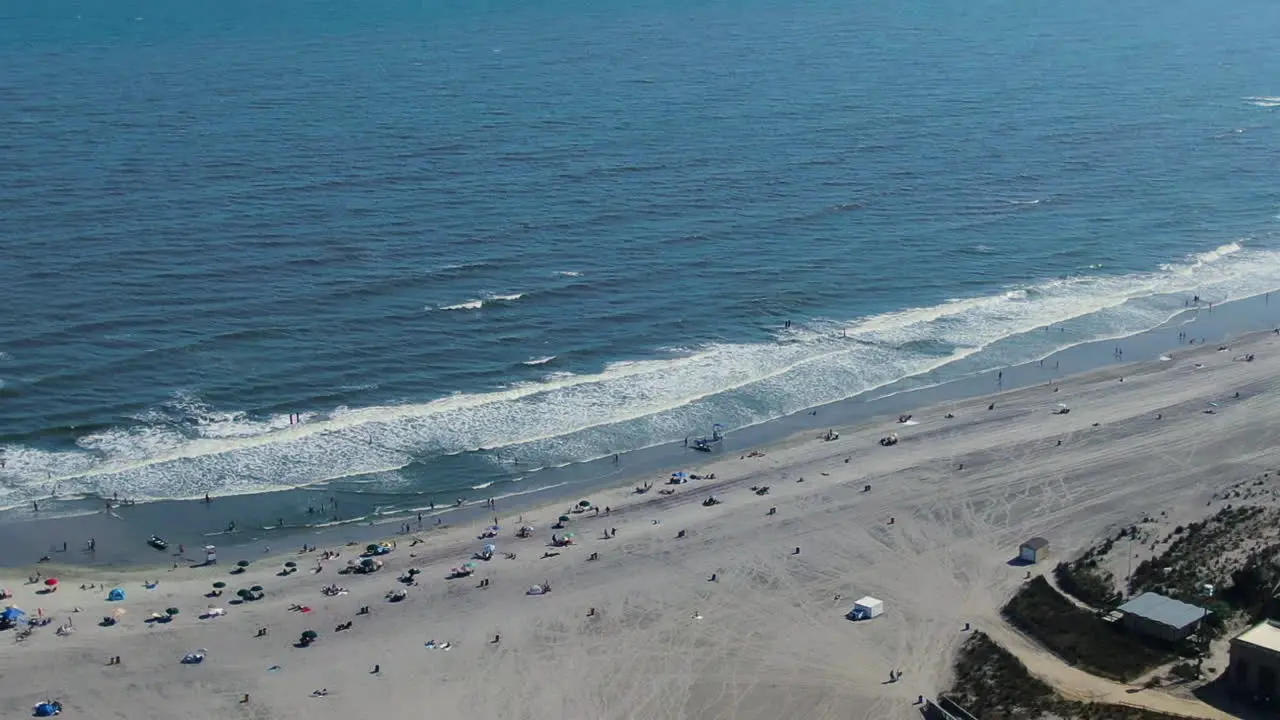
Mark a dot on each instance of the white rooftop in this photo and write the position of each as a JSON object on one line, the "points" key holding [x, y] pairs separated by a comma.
{"points": [[1265, 635], [867, 601]]}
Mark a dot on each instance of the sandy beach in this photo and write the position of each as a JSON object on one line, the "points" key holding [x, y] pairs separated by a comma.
{"points": [[643, 631]]}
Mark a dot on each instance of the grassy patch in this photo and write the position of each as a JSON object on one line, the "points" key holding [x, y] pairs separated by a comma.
{"points": [[1201, 552], [994, 685], [1078, 636], [1087, 583]]}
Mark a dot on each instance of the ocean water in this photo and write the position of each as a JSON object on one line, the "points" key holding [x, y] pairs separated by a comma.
{"points": [[428, 249]]}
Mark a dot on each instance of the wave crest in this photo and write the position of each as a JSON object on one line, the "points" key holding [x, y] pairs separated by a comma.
{"points": [[187, 448]]}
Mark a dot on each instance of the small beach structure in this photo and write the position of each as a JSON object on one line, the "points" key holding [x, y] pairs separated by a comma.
{"points": [[1033, 550], [116, 595], [1255, 663], [866, 608], [1160, 617]]}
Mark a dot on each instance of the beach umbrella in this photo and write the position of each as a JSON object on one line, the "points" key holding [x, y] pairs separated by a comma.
{"points": [[219, 585], [256, 588], [51, 582], [371, 548], [584, 503], [490, 548], [243, 564], [564, 518], [291, 564], [244, 593], [310, 635], [118, 612], [171, 612], [470, 566]]}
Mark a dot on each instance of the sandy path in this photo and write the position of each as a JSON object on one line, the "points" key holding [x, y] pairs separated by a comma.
{"points": [[1078, 685], [772, 640]]}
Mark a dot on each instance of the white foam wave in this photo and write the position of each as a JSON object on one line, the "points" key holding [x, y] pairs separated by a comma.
{"points": [[566, 417], [468, 305], [482, 486], [1263, 101], [476, 304], [539, 360], [567, 273]]}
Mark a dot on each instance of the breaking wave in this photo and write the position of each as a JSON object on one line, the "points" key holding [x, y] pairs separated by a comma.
{"points": [[187, 448], [487, 300]]}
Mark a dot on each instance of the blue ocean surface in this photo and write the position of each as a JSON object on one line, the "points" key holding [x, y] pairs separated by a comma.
{"points": [[423, 249]]}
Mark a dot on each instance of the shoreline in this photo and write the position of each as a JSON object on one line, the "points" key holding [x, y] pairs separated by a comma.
{"points": [[121, 536], [1229, 321]]}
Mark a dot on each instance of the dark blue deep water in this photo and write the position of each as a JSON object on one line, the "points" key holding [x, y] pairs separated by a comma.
{"points": [[467, 240]]}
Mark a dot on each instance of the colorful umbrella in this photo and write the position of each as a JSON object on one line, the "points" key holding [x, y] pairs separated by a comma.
{"points": [[51, 582]]}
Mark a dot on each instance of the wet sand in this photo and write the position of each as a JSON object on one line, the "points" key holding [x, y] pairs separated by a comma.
{"points": [[933, 538]]}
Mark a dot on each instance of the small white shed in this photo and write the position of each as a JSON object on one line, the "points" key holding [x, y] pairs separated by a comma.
{"points": [[1033, 550], [866, 608]]}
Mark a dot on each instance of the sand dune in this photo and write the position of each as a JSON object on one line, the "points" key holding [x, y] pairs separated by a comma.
{"points": [[767, 639]]}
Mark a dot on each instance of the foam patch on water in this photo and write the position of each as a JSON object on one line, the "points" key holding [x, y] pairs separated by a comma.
{"points": [[186, 448], [476, 304], [1263, 101], [468, 305]]}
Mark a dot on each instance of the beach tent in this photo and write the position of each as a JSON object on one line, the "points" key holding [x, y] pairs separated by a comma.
{"points": [[116, 595], [12, 614], [47, 709], [867, 608]]}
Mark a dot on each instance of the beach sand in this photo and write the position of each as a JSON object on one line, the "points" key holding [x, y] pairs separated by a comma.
{"points": [[767, 639]]}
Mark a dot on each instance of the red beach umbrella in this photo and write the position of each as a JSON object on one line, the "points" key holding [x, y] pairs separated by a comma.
{"points": [[51, 582]]}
